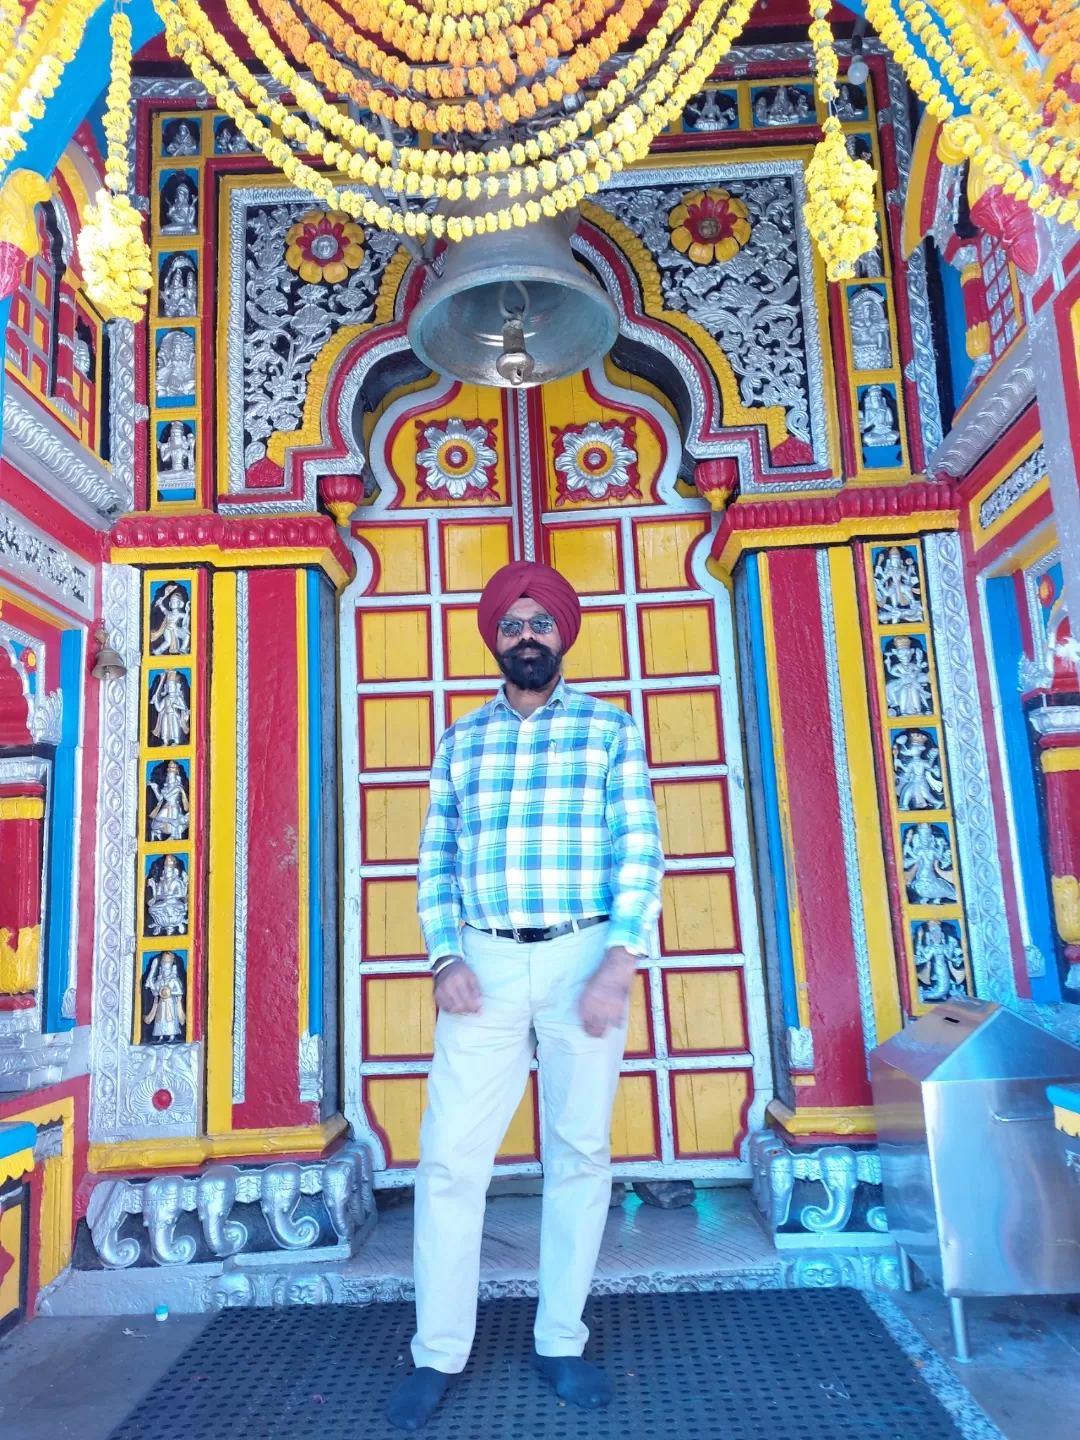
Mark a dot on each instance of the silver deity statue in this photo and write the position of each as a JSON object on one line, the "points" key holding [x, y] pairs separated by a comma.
{"points": [[166, 987], [871, 345], [167, 898], [180, 211], [176, 452], [713, 112], [928, 865], [179, 289], [917, 771], [169, 700], [172, 609], [897, 589], [175, 370], [907, 686], [169, 816], [183, 142], [939, 961], [877, 420]]}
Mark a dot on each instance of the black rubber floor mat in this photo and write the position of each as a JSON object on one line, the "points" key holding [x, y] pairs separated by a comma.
{"points": [[782, 1364]]}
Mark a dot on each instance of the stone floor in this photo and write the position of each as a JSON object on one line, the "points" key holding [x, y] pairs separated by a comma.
{"points": [[64, 1377]]}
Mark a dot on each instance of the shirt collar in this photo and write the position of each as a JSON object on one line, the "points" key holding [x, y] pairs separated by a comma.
{"points": [[561, 695]]}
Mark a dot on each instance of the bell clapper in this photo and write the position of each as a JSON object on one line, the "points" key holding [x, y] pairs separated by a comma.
{"points": [[515, 364]]}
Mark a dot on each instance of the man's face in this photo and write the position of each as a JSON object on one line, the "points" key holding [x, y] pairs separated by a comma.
{"points": [[527, 660]]}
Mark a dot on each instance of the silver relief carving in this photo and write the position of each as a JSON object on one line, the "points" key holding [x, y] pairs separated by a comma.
{"points": [[311, 1062], [1006, 391], [839, 1176], [772, 1170], [279, 1197], [800, 1047], [214, 1198], [122, 404], [922, 335], [976, 843], [871, 342], [111, 1202], [29, 554], [1013, 487], [117, 821], [163, 1205], [45, 710], [45, 450], [759, 305], [150, 1070], [847, 807], [240, 921], [278, 323]]}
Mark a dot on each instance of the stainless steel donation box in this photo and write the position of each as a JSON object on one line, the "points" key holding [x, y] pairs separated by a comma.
{"points": [[975, 1191]]}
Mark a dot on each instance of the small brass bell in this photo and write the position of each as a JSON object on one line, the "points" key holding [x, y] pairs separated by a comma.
{"points": [[108, 665]]}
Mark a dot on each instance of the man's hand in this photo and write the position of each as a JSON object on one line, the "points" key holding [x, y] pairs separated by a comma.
{"points": [[457, 990], [606, 996]]}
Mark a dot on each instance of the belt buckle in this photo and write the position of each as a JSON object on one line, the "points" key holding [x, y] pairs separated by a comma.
{"points": [[517, 935]]}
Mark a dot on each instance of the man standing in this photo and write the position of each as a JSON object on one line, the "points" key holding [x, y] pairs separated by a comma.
{"points": [[540, 869]]}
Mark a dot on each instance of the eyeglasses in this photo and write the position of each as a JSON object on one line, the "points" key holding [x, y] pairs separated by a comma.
{"points": [[538, 624]]}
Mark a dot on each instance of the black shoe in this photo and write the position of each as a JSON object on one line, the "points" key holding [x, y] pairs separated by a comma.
{"points": [[414, 1400], [575, 1380]]}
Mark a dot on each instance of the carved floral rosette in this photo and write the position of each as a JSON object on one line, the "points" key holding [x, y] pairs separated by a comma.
{"points": [[596, 462]]}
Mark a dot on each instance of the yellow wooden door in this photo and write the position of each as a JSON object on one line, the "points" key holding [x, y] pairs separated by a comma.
{"points": [[582, 475]]}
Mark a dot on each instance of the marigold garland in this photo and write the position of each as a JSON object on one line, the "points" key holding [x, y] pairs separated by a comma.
{"points": [[560, 166], [41, 44], [839, 211], [112, 248]]}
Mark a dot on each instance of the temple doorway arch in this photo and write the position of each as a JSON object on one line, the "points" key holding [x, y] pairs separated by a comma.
{"points": [[590, 474]]}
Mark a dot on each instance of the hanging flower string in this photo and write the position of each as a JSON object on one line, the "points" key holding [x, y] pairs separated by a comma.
{"points": [[114, 253], [542, 174], [839, 212], [34, 48]]}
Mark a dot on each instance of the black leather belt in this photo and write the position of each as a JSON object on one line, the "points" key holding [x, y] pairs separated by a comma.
{"points": [[533, 934]]}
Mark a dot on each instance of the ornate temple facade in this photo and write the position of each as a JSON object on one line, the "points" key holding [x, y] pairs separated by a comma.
{"points": [[827, 540]]}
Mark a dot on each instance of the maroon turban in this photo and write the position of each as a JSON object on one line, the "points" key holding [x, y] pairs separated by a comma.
{"points": [[540, 583]]}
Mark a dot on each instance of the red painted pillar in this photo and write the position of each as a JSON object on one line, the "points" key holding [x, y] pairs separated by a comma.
{"points": [[22, 815]]}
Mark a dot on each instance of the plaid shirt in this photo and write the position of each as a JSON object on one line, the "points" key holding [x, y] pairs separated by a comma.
{"points": [[533, 822]]}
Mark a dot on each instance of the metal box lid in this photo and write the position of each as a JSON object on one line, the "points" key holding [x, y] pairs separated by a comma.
{"points": [[964, 1040]]}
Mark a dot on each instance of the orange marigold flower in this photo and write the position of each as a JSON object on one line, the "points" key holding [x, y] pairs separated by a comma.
{"points": [[474, 117], [477, 83], [418, 115], [508, 71], [401, 110], [509, 108], [525, 103]]}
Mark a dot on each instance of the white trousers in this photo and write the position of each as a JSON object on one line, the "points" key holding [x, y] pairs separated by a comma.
{"points": [[530, 1001]]}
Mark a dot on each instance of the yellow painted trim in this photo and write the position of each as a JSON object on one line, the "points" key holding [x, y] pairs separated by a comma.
{"points": [[859, 751], [15, 1166], [219, 559], [645, 268], [74, 182], [303, 838], [1061, 760], [220, 948], [798, 951], [823, 1119], [1067, 1121], [386, 300], [850, 528], [173, 1154], [311, 431], [979, 536], [925, 143], [22, 807], [57, 1179]]}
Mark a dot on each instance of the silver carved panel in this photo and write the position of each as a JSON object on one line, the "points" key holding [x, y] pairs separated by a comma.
{"points": [[1012, 488], [278, 324], [124, 1077], [961, 710], [29, 554], [760, 305]]}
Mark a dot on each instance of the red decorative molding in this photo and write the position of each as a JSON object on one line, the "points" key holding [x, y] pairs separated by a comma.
{"points": [[265, 532], [818, 510]]}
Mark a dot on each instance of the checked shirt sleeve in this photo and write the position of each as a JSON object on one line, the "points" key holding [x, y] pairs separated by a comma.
{"points": [[637, 853], [438, 898]]}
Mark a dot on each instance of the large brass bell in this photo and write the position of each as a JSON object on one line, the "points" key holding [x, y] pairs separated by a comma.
{"points": [[513, 309]]}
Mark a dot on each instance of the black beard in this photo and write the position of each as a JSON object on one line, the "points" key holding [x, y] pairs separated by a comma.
{"points": [[530, 672]]}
